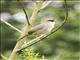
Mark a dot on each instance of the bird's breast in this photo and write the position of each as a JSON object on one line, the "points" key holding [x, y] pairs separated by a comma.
{"points": [[49, 26]]}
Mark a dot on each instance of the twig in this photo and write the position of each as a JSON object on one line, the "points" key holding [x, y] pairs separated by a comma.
{"points": [[45, 4], [65, 19], [4, 57], [11, 26], [26, 15]]}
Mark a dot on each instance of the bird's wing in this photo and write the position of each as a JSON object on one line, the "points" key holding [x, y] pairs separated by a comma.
{"points": [[36, 28], [32, 30]]}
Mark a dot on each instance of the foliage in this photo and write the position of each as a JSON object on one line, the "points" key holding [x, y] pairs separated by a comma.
{"points": [[28, 54]]}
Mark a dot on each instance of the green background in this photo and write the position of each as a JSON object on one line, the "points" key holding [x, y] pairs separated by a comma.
{"points": [[65, 41]]}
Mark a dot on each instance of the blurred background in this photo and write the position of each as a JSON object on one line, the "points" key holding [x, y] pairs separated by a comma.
{"points": [[65, 41]]}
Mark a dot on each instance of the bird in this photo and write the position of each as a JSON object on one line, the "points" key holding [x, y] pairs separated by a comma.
{"points": [[42, 28]]}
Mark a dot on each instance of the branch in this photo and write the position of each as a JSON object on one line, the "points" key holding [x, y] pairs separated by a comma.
{"points": [[22, 41], [31, 42], [42, 38], [4, 57], [11, 26], [26, 15]]}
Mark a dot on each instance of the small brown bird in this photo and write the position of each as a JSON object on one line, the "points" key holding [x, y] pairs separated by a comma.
{"points": [[43, 28]]}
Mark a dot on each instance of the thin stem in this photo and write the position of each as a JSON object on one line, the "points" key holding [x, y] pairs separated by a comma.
{"points": [[26, 15], [4, 57], [11, 26], [45, 3]]}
